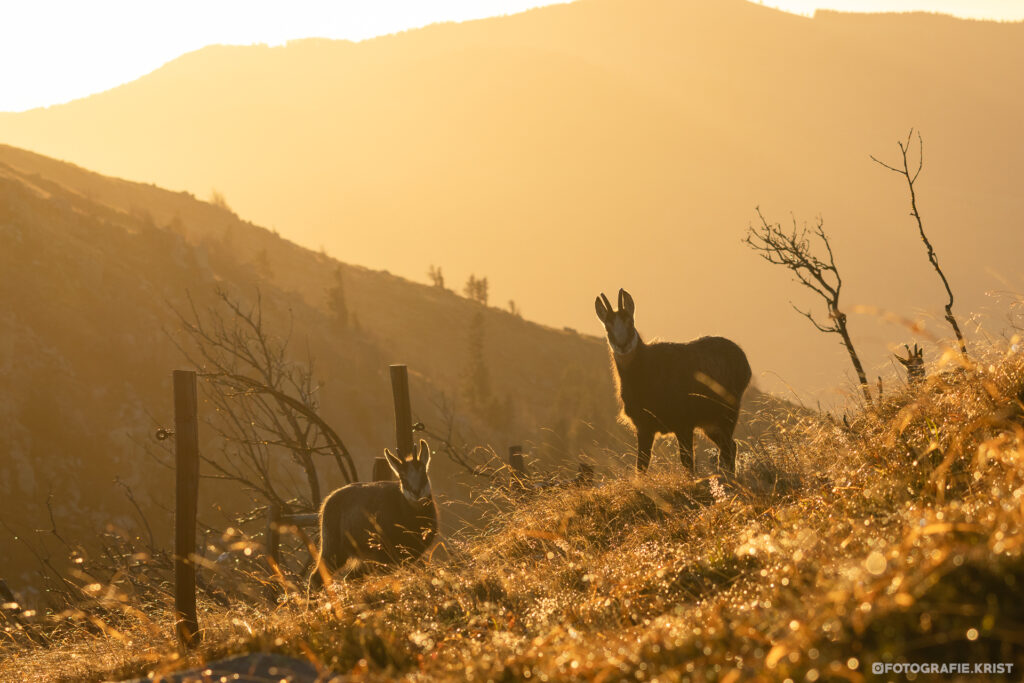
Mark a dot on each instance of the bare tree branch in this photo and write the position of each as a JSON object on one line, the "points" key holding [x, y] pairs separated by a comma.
{"points": [[265, 405], [820, 274], [451, 443], [807, 314], [933, 258]]}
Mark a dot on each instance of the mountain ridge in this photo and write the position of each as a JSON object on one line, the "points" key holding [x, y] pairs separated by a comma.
{"points": [[537, 142]]}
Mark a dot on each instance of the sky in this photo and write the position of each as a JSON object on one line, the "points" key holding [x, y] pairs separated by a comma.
{"points": [[55, 51]]}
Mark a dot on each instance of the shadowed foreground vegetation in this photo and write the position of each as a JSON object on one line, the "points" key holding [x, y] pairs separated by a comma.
{"points": [[903, 542]]}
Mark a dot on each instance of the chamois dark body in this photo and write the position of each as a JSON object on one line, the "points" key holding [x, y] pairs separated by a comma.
{"points": [[380, 524], [676, 387]]}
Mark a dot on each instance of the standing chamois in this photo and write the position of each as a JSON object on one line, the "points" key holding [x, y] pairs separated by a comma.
{"points": [[380, 523], [676, 388]]}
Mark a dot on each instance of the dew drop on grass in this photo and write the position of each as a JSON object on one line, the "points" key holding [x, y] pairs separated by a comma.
{"points": [[875, 563]]}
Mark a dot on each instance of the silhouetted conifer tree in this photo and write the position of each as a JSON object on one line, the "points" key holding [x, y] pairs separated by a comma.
{"points": [[436, 276], [476, 289], [218, 200], [477, 378], [336, 301], [261, 264]]}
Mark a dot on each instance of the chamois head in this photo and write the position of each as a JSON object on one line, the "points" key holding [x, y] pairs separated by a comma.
{"points": [[412, 472], [914, 363], [619, 324]]}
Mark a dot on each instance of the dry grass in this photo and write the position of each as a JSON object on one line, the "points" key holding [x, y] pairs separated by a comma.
{"points": [[903, 544]]}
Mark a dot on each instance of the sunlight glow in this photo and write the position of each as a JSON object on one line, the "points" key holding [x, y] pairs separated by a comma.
{"points": [[54, 51]]}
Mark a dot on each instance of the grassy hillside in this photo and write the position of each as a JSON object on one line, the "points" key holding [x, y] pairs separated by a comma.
{"points": [[95, 271], [903, 543], [561, 139]]}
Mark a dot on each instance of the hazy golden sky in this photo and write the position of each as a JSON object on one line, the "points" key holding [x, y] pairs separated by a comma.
{"points": [[1004, 10], [66, 49], [54, 51]]}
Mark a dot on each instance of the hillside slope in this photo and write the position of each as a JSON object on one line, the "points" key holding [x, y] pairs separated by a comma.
{"points": [[94, 271], [902, 546], [562, 139]]}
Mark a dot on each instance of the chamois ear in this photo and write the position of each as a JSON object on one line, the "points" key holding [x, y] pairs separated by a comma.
{"points": [[602, 310], [394, 462], [626, 302], [424, 454]]}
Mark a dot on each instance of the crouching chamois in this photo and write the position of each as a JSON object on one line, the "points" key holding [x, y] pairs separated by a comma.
{"points": [[380, 523], [676, 388]]}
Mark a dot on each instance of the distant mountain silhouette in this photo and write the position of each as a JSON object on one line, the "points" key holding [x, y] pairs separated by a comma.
{"points": [[606, 143]]}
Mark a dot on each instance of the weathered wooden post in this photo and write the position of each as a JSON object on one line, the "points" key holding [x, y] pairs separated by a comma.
{"points": [[585, 477], [272, 539], [515, 461], [381, 471], [9, 609], [517, 468], [186, 456], [403, 410], [273, 535]]}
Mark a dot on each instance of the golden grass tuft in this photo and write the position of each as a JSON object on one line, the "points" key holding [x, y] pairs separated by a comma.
{"points": [[902, 542]]}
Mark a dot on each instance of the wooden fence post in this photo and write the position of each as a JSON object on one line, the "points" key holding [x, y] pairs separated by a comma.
{"points": [[515, 461], [585, 477], [403, 410], [517, 469], [272, 539], [273, 536], [186, 450], [381, 470], [10, 610]]}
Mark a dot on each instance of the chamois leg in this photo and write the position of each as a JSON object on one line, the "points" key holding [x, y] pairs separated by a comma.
{"points": [[316, 582], [316, 579], [334, 554], [644, 442], [685, 438], [721, 435]]}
